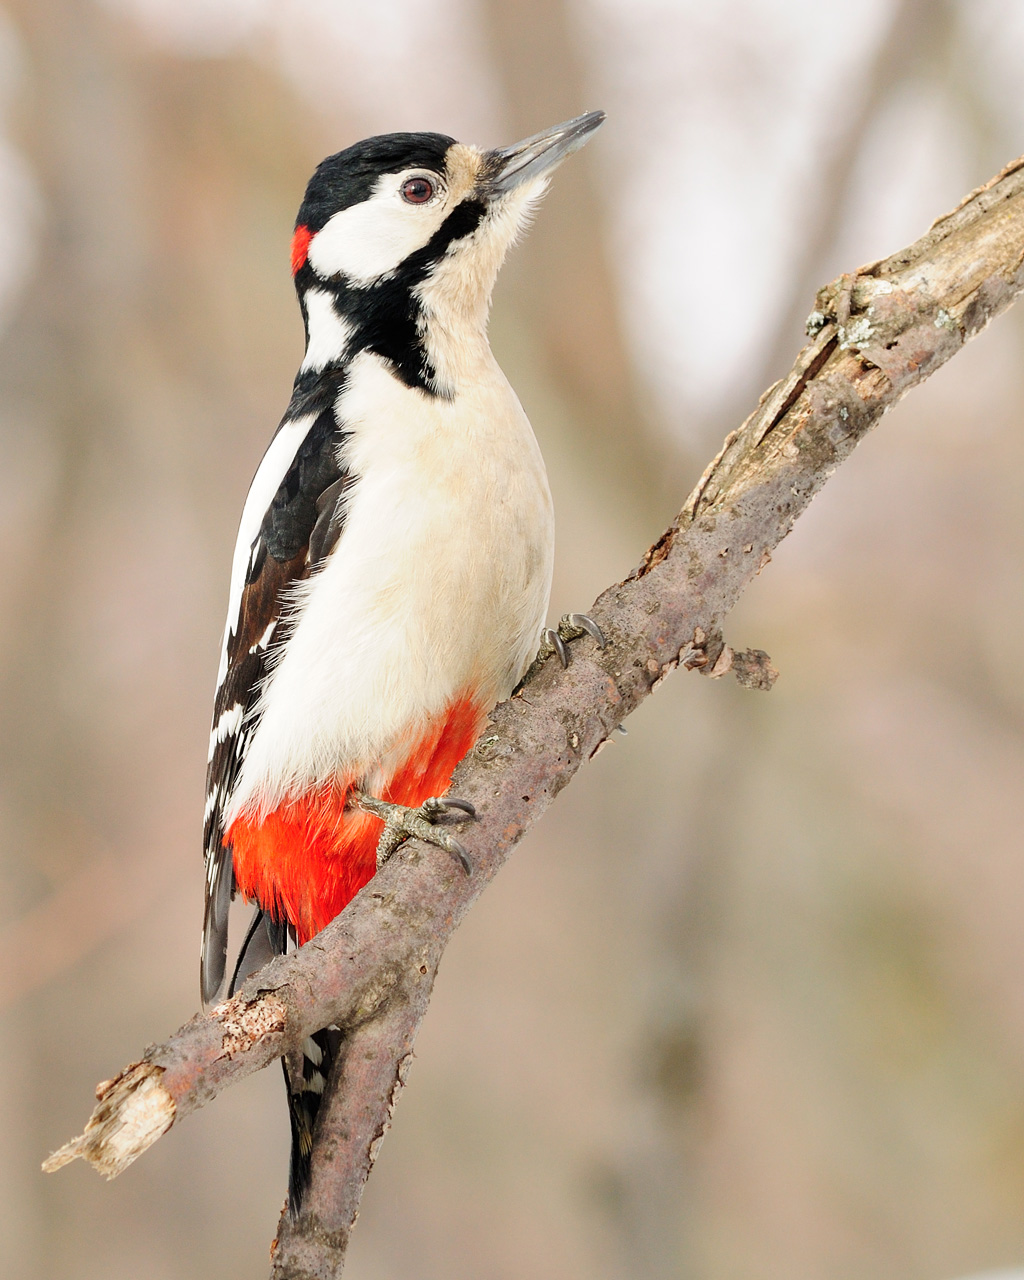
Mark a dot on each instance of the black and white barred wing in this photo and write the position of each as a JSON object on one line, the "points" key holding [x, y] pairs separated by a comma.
{"points": [[291, 522]]}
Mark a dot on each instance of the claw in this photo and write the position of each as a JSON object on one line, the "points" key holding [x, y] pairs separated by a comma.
{"points": [[558, 644], [584, 622], [460, 852], [571, 627], [450, 802]]}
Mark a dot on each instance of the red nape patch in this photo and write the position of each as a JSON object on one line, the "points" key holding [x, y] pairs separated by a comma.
{"points": [[300, 248], [310, 857]]}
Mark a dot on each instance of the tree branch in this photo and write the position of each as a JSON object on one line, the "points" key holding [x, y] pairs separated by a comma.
{"points": [[876, 334], [356, 1114]]}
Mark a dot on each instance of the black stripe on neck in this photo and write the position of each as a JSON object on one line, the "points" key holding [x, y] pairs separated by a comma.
{"points": [[385, 316]]}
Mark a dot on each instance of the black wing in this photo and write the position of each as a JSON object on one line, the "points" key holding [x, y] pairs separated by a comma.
{"points": [[299, 530]]}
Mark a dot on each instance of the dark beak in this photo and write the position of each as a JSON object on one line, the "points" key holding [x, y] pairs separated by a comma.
{"points": [[536, 155]]}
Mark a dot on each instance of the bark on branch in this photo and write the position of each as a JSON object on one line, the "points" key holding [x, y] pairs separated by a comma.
{"points": [[876, 333]]}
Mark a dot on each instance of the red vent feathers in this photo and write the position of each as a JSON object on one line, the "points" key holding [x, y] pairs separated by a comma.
{"points": [[311, 856], [300, 247]]}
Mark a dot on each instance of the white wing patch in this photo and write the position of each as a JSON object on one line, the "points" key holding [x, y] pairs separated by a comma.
{"points": [[272, 471]]}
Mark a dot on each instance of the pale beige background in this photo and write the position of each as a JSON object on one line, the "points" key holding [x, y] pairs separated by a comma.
{"points": [[749, 1004]]}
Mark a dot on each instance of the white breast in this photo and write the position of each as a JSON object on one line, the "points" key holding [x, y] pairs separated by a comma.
{"points": [[438, 586]]}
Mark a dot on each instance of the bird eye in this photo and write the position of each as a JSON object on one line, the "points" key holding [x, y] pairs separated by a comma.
{"points": [[417, 190]]}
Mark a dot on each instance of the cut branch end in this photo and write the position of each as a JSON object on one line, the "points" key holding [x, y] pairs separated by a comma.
{"points": [[134, 1109]]}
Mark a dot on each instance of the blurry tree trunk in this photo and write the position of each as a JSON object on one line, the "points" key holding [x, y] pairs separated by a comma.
{"points": [[146, 164], [917, 35], [689, 941], [561, 286], [561, 278], [911, 39], [128, 430]]}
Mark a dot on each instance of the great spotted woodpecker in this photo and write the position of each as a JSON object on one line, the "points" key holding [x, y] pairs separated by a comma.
{"points": [[393, 564]]}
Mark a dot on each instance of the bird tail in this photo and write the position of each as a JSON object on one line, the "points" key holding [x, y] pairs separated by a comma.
{"points": [[305, 1073]]}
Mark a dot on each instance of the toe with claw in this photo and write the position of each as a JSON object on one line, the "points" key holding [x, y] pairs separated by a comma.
{"points": [[571, 627], [402, 823]]}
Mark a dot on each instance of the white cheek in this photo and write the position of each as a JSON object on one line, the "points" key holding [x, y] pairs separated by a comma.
{"points": [[371, 239]]}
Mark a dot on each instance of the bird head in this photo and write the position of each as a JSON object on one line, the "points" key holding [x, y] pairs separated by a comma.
{"points": [[399, 240]]}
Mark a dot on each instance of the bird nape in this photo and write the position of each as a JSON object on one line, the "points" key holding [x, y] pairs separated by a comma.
{"points": [[393, 563]]}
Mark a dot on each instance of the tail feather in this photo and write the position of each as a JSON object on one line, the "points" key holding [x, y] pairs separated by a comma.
{"points": [[264, 939], [306, 1075]]}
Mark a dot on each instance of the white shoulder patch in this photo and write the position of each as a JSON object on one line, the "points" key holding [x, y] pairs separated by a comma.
{"points": [[272, 470]]}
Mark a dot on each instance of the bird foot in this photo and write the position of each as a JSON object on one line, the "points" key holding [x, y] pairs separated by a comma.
{"points": [[571, 627], [402, 823]]}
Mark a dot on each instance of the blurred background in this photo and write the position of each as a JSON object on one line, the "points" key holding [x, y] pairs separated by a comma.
{"points": [[749, 1003]]}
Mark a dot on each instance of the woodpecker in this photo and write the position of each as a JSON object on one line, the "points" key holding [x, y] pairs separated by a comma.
{"points": [[393, 563]]}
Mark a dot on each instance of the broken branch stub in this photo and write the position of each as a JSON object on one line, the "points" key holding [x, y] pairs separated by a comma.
{"points": [[134, 1109]]}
